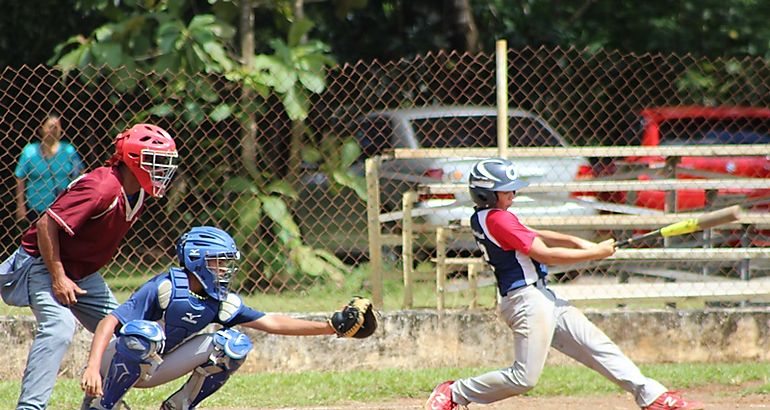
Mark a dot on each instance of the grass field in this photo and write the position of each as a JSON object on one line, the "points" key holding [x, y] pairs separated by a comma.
{"points": [[281, 390]]}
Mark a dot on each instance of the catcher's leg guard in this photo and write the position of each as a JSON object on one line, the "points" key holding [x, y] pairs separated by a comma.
{"points": [[230, 350], [136, 355]]}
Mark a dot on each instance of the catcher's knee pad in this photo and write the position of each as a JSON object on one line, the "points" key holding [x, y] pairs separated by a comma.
{"points": [[136, 355], [230, 350]]}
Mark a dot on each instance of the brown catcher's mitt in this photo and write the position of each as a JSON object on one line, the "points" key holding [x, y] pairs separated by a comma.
{"points": [[356, 319]]}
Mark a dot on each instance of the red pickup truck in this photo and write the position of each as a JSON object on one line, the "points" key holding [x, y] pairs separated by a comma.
{"points": [[696, 125]]}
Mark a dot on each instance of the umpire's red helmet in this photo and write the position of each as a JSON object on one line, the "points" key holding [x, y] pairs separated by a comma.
{"points": [[150, 153]]}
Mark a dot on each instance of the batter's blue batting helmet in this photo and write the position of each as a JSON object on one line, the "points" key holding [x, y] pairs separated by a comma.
{"points": [[211, 255], [493, 175]]}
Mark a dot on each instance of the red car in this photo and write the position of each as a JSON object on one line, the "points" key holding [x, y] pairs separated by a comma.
{"points": [[697, 125]]}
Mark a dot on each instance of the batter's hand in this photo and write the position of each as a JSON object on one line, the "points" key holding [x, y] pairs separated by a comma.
{"points": [[91, 382], [66, 291], [607, 247]]}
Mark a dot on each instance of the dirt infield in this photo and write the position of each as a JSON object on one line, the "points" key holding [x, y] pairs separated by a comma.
{"points": [[716, 398]]}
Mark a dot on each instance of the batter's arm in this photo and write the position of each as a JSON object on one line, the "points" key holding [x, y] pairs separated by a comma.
{"points": [[91, 381], [559, 255], [553, 238]]}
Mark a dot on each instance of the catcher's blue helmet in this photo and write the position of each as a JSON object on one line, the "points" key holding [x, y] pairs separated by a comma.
{"points": [[211, 255], [493, 175]]}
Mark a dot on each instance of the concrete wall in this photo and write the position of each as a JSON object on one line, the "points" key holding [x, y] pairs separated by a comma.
{"points": [[410, 339]]}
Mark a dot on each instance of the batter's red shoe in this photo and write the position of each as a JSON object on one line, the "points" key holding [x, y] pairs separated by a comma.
{"points": [[441, 398], [672, 400]]}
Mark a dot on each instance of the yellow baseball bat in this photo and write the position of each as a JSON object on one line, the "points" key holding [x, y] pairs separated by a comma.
{"points": [[689, 225]]}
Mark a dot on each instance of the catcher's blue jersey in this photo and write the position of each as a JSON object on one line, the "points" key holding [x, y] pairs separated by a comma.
{"points": [[185, 314], [513, 268]]}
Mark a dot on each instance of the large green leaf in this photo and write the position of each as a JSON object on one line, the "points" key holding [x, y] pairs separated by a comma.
{"points": [[240, 185], [168, 35], [311, 155], [162, 110], [249, 213], [350, 152], [70, 60], [282, 187], [125, 79], [275, 208], [296, 104], [307, 261], [109, 53], [167, 64], [314, 81], [193, 112], [354, 182], [298, 29], [221, 112], [218, 55], [274, 73]]}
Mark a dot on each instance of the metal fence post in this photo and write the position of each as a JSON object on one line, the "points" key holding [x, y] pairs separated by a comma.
{"points": [[373, 222]]}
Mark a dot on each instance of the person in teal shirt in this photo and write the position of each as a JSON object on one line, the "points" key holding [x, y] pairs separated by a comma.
{"points": [[44, 170]]}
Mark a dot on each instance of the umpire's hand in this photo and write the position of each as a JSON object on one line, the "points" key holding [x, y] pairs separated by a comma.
{"points": [[65, 290]]}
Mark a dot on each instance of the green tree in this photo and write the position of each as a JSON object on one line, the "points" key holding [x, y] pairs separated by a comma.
{"points": [[184, 54]]}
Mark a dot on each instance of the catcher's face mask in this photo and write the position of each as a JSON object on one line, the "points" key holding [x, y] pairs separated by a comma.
{"points": [[222, 267]]}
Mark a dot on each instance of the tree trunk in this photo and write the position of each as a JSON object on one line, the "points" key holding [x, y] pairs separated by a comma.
{"points": [[467, 25], [249, 131], [297, 126]]}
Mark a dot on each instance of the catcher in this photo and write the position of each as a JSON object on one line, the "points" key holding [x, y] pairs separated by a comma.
{"points": [[157, 329]]}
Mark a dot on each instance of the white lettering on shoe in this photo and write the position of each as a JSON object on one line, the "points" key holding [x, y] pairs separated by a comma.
{"points": [[439, 401], [671, 402]]}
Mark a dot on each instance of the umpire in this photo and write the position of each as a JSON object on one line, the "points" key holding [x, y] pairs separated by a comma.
{"points": [[55, 271]]}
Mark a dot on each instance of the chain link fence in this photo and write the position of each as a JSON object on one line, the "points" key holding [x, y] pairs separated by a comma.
{"points": [[246, 167]]}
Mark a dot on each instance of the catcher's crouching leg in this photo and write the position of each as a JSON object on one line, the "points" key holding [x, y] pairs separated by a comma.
{"points": [[136, 355], [230, 350]]}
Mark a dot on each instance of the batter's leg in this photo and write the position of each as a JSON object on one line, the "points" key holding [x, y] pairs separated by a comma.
{"points": [[529, 312], [580, 339]]}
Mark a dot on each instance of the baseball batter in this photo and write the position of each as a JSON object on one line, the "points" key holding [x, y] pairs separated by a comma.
{"points": [[537, 316], [55, 271]]}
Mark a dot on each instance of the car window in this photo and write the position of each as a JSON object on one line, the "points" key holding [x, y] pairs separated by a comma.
{"points": [[374, 135], [699, 131], [529, 132], [480, 131]]}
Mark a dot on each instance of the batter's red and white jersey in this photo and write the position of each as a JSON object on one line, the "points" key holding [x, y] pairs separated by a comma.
{"points": [[94, 215], [505, 244]]}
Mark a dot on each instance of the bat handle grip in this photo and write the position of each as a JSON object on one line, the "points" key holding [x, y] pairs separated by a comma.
{"points": [[623, 243]]}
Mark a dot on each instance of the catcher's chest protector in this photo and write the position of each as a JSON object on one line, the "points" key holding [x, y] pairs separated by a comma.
{"points": [[185, 314]]}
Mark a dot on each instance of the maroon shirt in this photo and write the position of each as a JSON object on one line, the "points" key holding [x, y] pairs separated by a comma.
{"points": [[93, 215]]}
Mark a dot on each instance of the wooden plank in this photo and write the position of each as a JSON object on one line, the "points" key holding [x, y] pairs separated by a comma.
{"points": [[620, 222], [631, 221], [407, 251], [660, 254], [691, 254], [595, 151], [676, 291], [625, 292], [373, 223], [612, 186]]}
